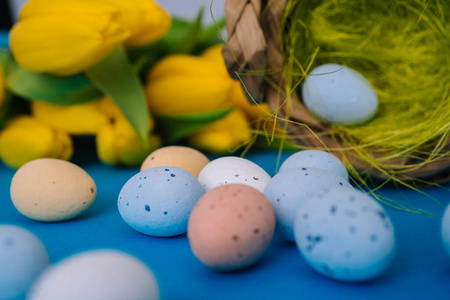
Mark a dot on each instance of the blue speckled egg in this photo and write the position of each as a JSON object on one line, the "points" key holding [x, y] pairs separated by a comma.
{"points": [[288, 189], [22, 258], [339, 95], [317, 159], [158, 201], [344, 234]]}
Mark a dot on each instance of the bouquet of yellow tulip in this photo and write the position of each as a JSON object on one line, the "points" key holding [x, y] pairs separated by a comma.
{"points": [[99, 67]]}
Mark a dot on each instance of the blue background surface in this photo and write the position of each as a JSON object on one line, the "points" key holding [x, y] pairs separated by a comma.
{"points": [[421, 269]]}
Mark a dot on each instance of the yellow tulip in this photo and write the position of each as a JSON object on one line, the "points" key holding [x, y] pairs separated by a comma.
{"points": [[65, 38], [224, 135], [118, 144], [25, 138], [2, 86], [253, 111], [183, 84], [144, 19], [68, 8], [85, 118]]}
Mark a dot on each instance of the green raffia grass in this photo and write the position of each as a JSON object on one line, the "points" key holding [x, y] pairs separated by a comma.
{"points": [[402, 47]]}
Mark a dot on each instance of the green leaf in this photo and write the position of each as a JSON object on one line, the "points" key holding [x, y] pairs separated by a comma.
{"points": [[4, 56], [115, 77], [190, 39], [176, 127], [63, 90]]}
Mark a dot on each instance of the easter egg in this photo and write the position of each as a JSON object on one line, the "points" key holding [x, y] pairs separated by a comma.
{"points": [[445, 229], [233, 169], [96, 275], [158, 201], [182, 157], [288, 189], [316, 159], [22, 258], [344, 234], [230, 227], [338, 94], [49, 189]]}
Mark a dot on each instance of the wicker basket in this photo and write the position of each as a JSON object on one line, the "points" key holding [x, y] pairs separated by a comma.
{"points": [[253, 44]]}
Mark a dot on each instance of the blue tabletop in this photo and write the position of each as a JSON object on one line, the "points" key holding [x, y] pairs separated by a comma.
{"points": [[421, 269]]}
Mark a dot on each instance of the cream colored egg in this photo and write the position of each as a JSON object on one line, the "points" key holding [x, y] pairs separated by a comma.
{"points": [[231, 227], [49, 189], [181, 157]]}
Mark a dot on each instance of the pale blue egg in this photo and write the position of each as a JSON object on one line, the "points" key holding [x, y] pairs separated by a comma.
{"points": [[288, 189], [339, 95], [158, 201], [22, 258], [445, 229], [316, 159], [102, 274], [344, 234]]}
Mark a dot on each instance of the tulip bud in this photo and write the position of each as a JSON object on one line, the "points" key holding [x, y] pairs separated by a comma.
{"points": [[224, 135], [24, 139], [65, 37], [183, 84], [144, 19], [118, 144], [85, 118]]}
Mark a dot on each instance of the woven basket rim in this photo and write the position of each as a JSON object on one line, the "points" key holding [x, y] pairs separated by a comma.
{"points": [[254, 45]]}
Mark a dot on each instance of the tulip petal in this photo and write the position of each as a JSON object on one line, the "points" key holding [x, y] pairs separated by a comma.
{"points": [[144, 19], [187, 65], [25, 139], [62, 46], [223, 136], [118, 144], [67, 8], [187, 95], [84, 118]]}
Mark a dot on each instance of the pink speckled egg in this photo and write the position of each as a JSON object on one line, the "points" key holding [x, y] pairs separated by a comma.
{"points": [[230, 227]]}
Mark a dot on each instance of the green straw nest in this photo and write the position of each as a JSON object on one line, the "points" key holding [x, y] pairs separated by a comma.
{"points": [[403, 49]]}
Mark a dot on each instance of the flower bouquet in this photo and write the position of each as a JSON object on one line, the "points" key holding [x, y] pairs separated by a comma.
{"points": [[124, 72]]}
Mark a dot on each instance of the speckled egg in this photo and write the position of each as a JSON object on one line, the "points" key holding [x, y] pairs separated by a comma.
{"points": [[158, 201], [288, 189], [339, 95], [182, 157], [233, 169], [230, 227], [316, 159], [445, 229], [22, 258], [97, 275], [344, 234], [50, 189]]}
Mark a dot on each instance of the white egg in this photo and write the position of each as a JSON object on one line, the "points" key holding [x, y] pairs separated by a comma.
{"points": [[344, 234], [316, 159], [97, 275], [233, 169], [22, 258]]}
